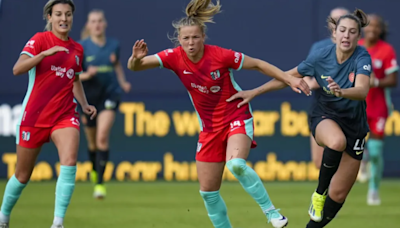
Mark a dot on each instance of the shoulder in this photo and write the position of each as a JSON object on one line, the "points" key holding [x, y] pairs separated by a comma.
{"points": [[78, 46], [323, 52], [84, 42], [385, 46], [321, 44], [362, 52], [39, 36]]}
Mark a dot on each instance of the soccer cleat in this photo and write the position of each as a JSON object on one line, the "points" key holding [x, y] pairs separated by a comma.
{"points": [[57, 226], [373, 198], [93, 177], [99, 191], [4, 225], [316, 207], [276, 219]]}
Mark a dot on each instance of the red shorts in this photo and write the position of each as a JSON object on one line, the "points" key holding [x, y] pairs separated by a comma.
{"points": [[35, 137], [211, 146], [377, 126]]}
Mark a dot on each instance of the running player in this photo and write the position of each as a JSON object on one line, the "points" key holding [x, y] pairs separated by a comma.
{"points": [[226, 131], [102, 79], [53, 61], [338, 119], [385, 69], [336, 13]]}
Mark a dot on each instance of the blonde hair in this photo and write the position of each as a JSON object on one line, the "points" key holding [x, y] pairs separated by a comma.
{"points": [[198, 12], [48, 10], [358, 16], [85, 31]]}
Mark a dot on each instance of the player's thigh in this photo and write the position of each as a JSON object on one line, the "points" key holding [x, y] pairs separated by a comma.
{"points": [[344, 178], [240, 139], [329, 134], [105, 121], [316, 152], [210, 175], [65, 136]]}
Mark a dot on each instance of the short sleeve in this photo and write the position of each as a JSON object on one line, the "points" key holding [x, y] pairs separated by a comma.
{"points": [[306, 68], [364, 65], [390, 61], [167, 58], [232, 59], [33, 46]]}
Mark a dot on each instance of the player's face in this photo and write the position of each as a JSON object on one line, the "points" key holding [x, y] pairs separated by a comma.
{"points": [[347, 35], [96, 24], [373, 30], [61, 18], [191, 39]]}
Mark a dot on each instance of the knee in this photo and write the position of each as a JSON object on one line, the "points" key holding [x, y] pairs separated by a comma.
{"points": [[102, 141], [92, 146], [237, 166], [338, 194], [337, 143], [69, 160]]}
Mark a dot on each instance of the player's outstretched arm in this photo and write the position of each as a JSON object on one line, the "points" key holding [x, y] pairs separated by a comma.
{"points": [[358, 92], [25, 62], [139, 59], [297, 84]]}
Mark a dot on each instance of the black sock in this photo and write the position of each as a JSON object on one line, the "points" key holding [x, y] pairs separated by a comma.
{"points": [[331, 208], [101, 160], [92, 157], [330, 164]]}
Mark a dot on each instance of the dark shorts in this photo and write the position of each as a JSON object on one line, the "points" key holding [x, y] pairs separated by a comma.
{"points": [[105, 102], [354, 134]]}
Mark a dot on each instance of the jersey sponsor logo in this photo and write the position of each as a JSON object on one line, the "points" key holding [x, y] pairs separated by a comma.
{"points": [[60, 71], [168, 51], [367, 67], [351, 76], [378, 63], [215, 75], [237, 57], [187, 72], [215, 89], [30, 44], [26, 136], [324, 77], [77, 60], [202, 89], [70, 73]]}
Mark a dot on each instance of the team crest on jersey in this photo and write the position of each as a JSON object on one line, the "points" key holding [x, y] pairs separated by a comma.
{"points": [[77, 60], [215, 75], [351, 76]]}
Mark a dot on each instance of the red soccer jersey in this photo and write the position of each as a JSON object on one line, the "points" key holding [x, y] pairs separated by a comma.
{"points": [[384, 62], [49, 97], [209, 83]]}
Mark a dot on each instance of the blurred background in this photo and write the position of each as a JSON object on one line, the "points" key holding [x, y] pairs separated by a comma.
{"points": [[154, 138]]}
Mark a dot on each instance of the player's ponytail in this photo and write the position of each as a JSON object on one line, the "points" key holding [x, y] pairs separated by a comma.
{"points": [[362, 17], [198, 12], [48, 10]]}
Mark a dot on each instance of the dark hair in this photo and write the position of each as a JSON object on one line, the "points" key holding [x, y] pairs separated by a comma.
{"points": [[384, 26], [358, 16], [48, 10]]}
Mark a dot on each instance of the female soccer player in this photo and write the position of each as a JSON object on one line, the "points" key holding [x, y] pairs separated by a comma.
{"points": [[54, 61], [338, 119], [226, 132], [102, 79], [385, 69]]}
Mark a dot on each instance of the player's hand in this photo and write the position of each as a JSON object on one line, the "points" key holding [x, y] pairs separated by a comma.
{"points": [[139, 50], [334, 87], [373, 82], [126, 87], [298, 85], [92, 71], [54, 50], [246, 95], [90, 110]]}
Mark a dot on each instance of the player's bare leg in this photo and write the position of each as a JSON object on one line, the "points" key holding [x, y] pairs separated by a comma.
{"points": [[67, 143], [339, 188], [210, 178], [237, 151], [90, 133], [316, 152], [26, 159], [105, 121]]}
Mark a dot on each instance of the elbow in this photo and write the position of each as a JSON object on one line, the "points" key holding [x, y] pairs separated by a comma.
{"points": [[17, 71]]}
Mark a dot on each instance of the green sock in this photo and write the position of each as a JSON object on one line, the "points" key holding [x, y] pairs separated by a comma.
{"points": [[216, 208], [64, 189], [375, 150], [11, 195]]}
